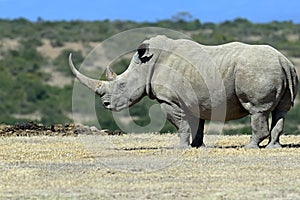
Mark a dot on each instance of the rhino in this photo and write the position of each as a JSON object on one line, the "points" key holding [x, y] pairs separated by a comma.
{"points": [[192, 82]]}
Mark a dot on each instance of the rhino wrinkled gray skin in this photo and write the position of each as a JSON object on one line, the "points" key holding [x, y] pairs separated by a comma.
{"points": [[186, 78]]}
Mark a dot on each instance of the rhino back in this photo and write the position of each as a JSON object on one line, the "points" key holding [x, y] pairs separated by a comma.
{"points": [[205, 78]]}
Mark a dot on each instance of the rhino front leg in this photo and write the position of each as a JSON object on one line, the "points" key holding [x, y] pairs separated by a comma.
{"points": [[177, 117], [197, 133]]}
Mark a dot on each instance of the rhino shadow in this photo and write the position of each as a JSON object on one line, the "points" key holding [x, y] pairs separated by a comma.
{"points": [[290, 145]]}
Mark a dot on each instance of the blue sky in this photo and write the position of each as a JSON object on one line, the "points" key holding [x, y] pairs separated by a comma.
{"points": [[152, 10]]}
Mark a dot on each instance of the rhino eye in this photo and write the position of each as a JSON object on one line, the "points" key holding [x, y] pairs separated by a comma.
{"points": [[122, 85]]}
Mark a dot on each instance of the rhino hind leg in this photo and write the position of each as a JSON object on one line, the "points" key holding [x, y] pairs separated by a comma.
{"points": [[276, 130], [260, 129], [278, 117]]}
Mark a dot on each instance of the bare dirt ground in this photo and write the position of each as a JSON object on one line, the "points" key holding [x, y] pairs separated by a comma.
{"points": [[143, 166]]}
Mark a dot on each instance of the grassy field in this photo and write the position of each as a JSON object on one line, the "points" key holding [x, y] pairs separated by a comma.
{"points": [[146, 166]]}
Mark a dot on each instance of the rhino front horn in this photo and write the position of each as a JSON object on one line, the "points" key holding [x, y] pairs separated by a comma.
{"points": [[90, 83], [110, 75]]}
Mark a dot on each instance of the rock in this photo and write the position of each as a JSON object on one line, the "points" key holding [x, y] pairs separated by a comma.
{"points": [[116, 132], [94, 129]]}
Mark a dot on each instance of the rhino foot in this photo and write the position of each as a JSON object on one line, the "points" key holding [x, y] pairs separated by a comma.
{"points": [[197, 145], [183, 146], [251, 145], [274, 145]]}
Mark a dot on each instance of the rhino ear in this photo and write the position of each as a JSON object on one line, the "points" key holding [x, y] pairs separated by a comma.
{"points": [[143, 51]]}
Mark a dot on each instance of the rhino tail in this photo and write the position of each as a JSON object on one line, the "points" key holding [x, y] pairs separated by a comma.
{"points": [[291, 76]]}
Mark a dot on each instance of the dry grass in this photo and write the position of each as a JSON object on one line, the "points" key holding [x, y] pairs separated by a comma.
{"points": [[145, 166]]}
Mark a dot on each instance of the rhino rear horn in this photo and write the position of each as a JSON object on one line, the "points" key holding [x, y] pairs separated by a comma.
{"points": [[92, 84], [110, 75]]}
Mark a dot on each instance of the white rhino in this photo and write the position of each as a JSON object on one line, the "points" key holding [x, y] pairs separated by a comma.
{"points": [[194, 83]]}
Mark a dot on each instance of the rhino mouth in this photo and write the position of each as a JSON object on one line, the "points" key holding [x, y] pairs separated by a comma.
{"points": [[117, 108], [108, 106]]}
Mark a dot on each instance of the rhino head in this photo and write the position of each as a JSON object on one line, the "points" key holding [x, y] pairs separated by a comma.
{"points": [[121, 91]]}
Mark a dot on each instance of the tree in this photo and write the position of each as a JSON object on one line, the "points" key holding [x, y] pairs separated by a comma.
{"points": [[182, 16]]}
